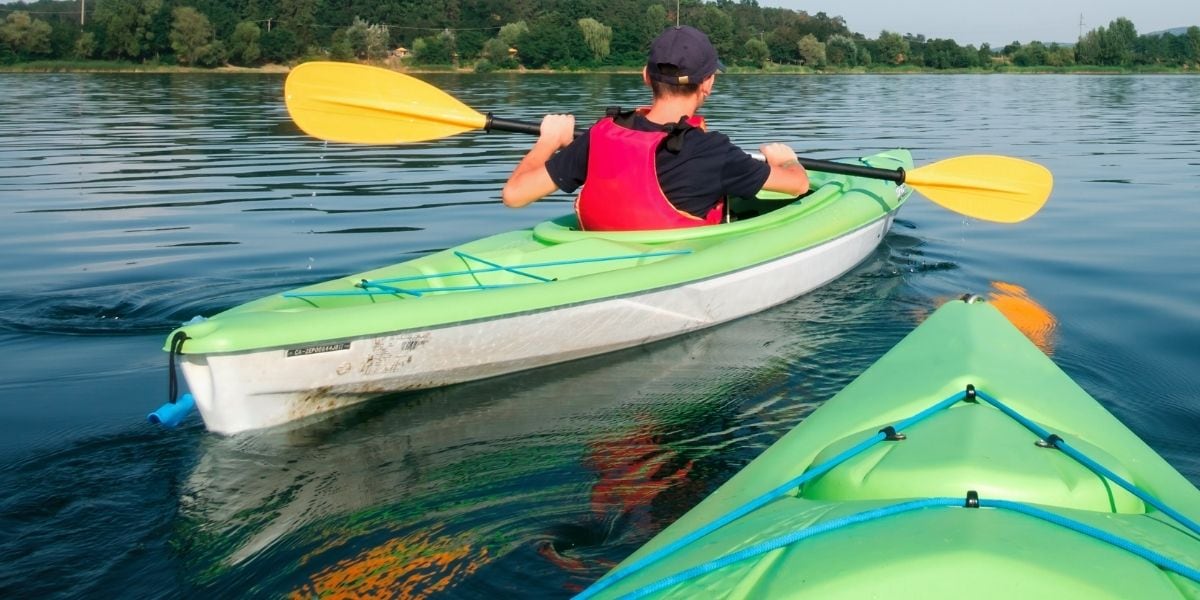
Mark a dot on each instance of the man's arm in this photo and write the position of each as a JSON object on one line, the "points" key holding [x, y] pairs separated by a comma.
{"points": [[787, 175], [530, 181]]}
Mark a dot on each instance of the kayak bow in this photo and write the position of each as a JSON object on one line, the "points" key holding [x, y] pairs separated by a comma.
{"points": [[964, 462]]}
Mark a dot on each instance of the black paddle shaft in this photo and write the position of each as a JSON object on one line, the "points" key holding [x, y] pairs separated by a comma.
{"points": [[497, 124], [825, 166]]}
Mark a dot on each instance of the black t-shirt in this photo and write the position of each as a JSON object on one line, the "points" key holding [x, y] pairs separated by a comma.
{"points": [[707, 168]]}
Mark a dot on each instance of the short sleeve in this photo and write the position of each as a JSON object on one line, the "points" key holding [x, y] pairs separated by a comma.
{"points": [[568, 167], [742, 174]]}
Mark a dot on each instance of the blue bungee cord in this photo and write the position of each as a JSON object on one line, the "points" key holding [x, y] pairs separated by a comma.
{"points": [[809, 475], [1095, 467], [787, 539], [891, 433], [1159, 560]]}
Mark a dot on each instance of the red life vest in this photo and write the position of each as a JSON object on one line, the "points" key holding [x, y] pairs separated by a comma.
{"points": [[622, 192]]}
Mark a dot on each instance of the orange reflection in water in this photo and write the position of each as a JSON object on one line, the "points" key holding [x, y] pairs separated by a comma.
{"points": [[1014, 302], [1037, 323], [631, 473], [415, 566], [632, 469]]}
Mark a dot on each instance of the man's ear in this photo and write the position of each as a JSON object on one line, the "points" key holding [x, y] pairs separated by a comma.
{"points": [[645, 77], [706, 86]]}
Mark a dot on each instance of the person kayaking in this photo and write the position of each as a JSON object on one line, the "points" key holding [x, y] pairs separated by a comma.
{"points": [[656, 167]]}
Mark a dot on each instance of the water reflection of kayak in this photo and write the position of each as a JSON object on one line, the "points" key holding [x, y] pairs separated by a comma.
{"points": [[438, 484]]}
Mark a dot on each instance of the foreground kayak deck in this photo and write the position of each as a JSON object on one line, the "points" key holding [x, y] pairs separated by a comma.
{"points": [[519, 300], [970, 503]]}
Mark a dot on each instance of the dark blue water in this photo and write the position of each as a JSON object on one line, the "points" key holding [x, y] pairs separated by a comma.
{"points": [[131, 203]]}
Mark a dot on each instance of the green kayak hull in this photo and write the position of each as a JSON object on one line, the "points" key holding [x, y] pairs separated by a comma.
{"points": [[523, 299], [900, 518]]}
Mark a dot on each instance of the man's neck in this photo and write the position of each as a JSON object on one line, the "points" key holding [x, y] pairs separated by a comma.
{"points": [[669, 109]]}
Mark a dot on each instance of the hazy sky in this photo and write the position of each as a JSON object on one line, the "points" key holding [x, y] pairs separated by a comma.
{"points": [[999, 22]]}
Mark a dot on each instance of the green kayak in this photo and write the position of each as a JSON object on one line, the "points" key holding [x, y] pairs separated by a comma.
{"points": [[963, 464], [523, 299]]}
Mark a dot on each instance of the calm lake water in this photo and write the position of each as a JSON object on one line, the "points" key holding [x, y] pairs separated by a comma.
{"points": [[131, 203]]}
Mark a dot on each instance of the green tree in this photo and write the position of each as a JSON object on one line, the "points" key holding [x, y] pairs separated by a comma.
{"points": [[891, 48], [496, 52], [552, 42], [1152, 49], [192, 38], [469, 42], [1030, 55], [841, 51], [1087, 50], [340, 46], [434, 49], [718, 26], [279, 45], [364, 40], [511, 32], [1060, 56], [985, 55], [757, 53], [85, 46], [821, 25], [24, 35], [1192, 53], [916, 49], [129, 27], [656, 20], [597, 36], [300, 17], [947, 54], [244, 48], [1116, 45], [864, 56], [784, 43], [812, 52]]}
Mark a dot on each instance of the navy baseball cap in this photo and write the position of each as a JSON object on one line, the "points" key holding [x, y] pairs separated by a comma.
{"points": [[682, 55]]}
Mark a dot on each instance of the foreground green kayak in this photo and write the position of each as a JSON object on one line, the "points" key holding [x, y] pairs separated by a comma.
{"points": [[963, 464]]}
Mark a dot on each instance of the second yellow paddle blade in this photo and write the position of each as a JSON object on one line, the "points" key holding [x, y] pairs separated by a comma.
{"points": [[343, 102], [993, 188]]}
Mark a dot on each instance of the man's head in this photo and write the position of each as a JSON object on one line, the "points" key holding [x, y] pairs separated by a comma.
{"points": [[680, 59]]}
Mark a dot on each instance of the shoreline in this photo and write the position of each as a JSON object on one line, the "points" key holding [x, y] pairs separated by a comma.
{"points": [[129, 68]]}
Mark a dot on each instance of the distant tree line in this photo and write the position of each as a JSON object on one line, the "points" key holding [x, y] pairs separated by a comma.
{"points": [[490, 34]]}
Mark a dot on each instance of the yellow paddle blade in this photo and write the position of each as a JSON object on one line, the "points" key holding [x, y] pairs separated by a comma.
{"points": [[344, 102], [993, 188]]}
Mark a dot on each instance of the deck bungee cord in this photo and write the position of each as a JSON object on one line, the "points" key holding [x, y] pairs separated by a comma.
{"points": [[369, 287], [894, 433], [973, 501]]}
